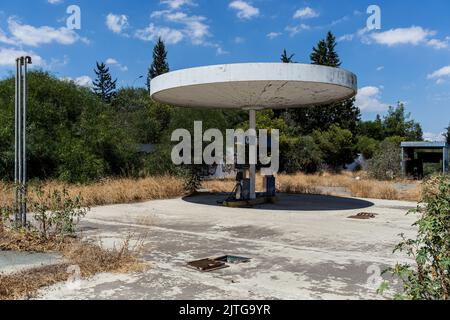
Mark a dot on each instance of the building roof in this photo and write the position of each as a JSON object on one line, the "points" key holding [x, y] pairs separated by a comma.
{"points": [[422, 144]]}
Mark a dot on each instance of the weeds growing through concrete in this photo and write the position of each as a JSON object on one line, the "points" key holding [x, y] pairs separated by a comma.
{"points": [[52, 228]]}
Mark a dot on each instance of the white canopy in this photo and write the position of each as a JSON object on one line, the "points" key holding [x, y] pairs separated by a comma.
{"points": [[254, 86]]}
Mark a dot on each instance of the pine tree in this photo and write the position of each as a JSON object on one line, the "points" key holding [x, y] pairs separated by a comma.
{"points": [[285, 58], [319, 54], [104, 86], [332, 56], [159, 65], [343, 114]]}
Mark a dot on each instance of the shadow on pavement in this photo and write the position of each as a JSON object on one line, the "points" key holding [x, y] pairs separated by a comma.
{"points": [[290, 202]]}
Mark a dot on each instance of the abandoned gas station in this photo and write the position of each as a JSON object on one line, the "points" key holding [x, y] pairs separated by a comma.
{"points": [[416, 154]]}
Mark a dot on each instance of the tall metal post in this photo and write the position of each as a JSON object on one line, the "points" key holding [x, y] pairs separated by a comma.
{"points": [[253, 142], [24, 142], [20, 168], [16, 146], [19, 150]]}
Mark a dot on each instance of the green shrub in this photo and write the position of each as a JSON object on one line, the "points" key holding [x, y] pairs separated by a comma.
{"points": [[56, 213], [72, 135], [367, 146], [337, 146], [386, 163], [429, 278], [300, 155]]}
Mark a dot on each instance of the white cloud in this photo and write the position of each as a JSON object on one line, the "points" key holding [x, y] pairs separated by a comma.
{"points": [[438, 44], [244, 9], [368, 100], [440, 74], [83, 81], [176, 4], [152, 33], [194, 26], [305, 13], [297, 29], [273, 35], [5, 39], [239, 40], [114, 62], [117, 23], [380, 68], [346, 37], [360, 34], [413, 35], [191, 27], [175, 26], [55, 1], [433, 137], [35, 36], [8, 57], [219, 50]]}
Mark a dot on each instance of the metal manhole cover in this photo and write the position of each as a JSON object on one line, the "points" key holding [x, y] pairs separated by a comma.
{"points": [[364, 216], [206, 265], [233, 259]]}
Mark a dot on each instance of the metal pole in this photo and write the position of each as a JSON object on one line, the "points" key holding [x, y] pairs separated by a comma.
{"points": [[253, 154], [20, 139], [16, 146], [24, 144], [19, 127]]}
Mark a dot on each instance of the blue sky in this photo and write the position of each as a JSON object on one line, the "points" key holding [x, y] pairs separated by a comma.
{"points": [[407, 60]]}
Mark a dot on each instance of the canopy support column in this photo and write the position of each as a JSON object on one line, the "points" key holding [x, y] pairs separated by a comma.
{"points": [[253, 142]]}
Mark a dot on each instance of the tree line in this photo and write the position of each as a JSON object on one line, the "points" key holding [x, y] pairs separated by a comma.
{"points": [[79, 134]]}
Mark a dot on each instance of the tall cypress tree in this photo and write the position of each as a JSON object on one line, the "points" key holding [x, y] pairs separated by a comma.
{"points": [[159, 65], [104, 86], [343, 114]]}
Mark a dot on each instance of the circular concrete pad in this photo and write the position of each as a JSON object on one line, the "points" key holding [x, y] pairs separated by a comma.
{"points": [[254, 85], [289, 202]]}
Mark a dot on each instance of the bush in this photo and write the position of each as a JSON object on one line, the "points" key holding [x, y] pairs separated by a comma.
{"points": [[55, 216], [56, 213], [72, 135], [386, 163], [301, 155], [337, 146], [367, 147], [429, 279]]}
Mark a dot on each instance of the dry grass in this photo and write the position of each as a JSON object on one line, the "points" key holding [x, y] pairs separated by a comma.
{"points": [[358, 185], [119, 191], [91, 259], [112, 191], [24, 285], [25, 241]]}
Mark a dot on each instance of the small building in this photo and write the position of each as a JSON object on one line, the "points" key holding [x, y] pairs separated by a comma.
{"points": [[417, 154]]}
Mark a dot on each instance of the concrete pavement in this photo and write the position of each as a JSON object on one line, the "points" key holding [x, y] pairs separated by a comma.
{"points": [[304, 247]]}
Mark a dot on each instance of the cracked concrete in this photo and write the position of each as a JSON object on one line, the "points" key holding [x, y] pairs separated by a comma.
{"points": [[299, 249]]}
